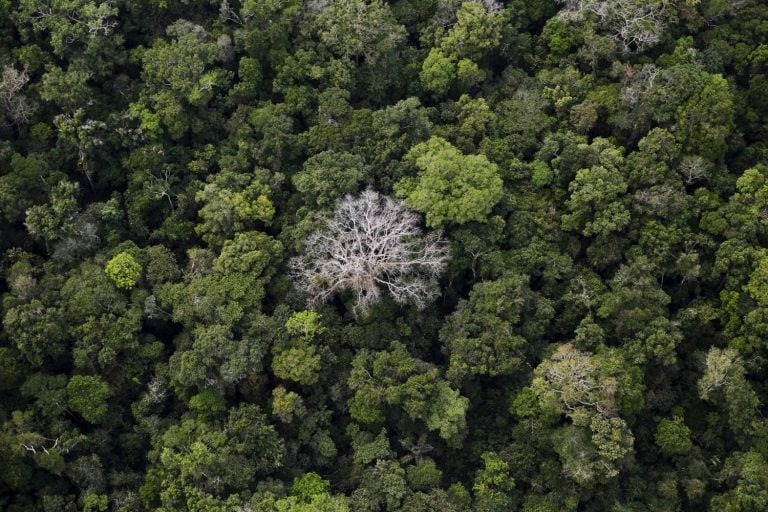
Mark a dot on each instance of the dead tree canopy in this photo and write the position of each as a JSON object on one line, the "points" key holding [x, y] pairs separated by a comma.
{"points": [[372, 243]]}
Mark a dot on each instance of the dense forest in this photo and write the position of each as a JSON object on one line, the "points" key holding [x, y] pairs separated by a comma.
{"points": [[367, 255]]}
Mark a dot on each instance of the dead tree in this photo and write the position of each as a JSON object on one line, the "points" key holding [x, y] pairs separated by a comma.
{"points": [[13, 103], [694, 169], [635, 24], [372, 243]]}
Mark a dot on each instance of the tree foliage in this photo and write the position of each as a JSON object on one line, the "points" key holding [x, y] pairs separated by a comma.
{"points": [[383, 256], [451, 187], [124, 270]]}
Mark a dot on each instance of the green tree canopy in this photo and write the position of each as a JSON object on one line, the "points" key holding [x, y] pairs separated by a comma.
{"points": [[450, 187]]}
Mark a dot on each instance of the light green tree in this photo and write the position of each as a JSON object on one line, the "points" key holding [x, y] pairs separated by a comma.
{"points": [[450, 187], [476, 32], [492, 484], [437, 72], [232, 202], [124, 270]]}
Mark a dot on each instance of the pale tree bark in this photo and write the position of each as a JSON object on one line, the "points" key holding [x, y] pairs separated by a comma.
{"points": [[635, 24], [574, 377], [694, 169], [721, 366], [372, 244], [16, 106]]}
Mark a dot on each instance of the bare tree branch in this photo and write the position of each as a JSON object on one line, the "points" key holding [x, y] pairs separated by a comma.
{"points": [[636, 24], [694, 169], [372, 243], [16, 106]]}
